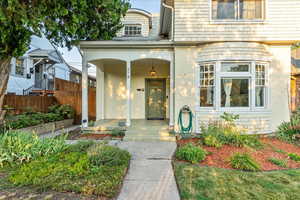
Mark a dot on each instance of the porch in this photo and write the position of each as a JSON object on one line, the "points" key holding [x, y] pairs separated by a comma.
{"points": [[132, 84]]}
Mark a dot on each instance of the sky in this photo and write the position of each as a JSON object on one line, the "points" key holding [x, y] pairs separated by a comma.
{"points": [[73, 57]]}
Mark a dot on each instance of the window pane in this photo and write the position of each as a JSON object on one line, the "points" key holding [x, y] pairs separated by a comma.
{"points": [[19, 67], [235, 67], [133, 30], [260, 96], [223, 9], [234, 92], [207, 96], [251, 9], [207, 85]]}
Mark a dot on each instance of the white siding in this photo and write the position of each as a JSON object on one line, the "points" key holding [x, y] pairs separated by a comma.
{"points": [[192, 23]]}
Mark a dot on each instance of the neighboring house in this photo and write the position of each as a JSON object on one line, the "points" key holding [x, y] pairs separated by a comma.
{"points": [[37, 69], [295, 80], [76, 74], [215, 56]]}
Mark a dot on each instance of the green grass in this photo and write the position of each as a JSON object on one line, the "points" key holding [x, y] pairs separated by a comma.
{"points": [[85, 168], [278, 162], [205, 183]]}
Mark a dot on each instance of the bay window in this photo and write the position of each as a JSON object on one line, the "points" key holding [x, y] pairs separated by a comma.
{"points": [[238, 9], [227, 84]]}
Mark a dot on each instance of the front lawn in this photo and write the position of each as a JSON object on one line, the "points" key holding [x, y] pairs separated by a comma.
{"points": [[198, 182], [49, 165]]}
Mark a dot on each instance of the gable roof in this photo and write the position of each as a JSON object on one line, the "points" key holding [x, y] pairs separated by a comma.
{"points": [[142, 12]]}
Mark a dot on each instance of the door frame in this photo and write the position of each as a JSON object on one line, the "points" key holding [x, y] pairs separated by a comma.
{"points": [[164, 81]]}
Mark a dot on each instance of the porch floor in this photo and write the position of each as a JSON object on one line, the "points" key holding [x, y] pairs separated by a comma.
{"points": [[140, 129]]}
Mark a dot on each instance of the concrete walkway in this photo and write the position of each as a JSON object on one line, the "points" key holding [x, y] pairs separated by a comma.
{"points": [[150, 175]]}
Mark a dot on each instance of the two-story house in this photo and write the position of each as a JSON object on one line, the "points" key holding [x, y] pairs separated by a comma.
{"points": [[215, 56], [37, 69]]}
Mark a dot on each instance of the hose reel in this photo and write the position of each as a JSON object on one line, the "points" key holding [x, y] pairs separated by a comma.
{"points": [[185, 110]]}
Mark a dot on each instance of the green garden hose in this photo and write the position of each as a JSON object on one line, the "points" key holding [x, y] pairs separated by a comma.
{"points": [[185, 110]]}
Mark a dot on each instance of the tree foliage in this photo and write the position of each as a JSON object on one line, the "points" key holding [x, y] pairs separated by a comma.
{"points": [[62, 22]]}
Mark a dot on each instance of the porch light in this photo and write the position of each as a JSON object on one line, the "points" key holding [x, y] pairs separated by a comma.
{"points": [[152, 71]]}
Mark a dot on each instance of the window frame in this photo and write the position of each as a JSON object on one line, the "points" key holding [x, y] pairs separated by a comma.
{"points": [[237, 18], [22, 64], [133, 25], [218, 75]]}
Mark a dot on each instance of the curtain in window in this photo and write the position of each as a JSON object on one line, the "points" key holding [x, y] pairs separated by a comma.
{"points": [[227, 83], [210, 94], [251, 9], [225, 9], [259, 95]]}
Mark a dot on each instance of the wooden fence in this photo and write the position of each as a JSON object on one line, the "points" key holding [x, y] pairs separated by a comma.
{"points": [[22, 104], [70, 93]]}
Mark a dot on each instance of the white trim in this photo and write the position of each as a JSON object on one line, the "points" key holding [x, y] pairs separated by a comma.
{"points": [[251, 76], [128, 92], [85, 96], [239, 21]]}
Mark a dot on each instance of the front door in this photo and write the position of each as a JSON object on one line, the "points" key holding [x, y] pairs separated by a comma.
{"points": [[155, 99]]}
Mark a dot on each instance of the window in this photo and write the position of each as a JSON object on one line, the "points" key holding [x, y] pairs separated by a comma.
{"points": [[20, 70], [237, 9], [260, 85], [133, 30], [233, 84], [207, 82]]}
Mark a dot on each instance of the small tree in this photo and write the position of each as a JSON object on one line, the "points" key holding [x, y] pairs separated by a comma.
{"points": [[62, 22]]}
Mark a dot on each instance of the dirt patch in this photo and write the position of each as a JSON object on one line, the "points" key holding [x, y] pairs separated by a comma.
{"points": [[273, 148]]}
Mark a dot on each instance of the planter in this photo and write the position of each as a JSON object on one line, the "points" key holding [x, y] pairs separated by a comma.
{"points": [[48, 127]]}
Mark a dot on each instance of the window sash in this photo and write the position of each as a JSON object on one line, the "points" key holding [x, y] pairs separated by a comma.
{"points": [[207, 85], [242, 10], [133, 30]]}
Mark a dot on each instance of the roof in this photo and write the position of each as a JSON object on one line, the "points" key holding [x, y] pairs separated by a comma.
{"points": [[78, 71], [46, 53]]}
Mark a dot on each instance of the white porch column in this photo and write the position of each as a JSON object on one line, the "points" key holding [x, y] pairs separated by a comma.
{"points": [[84, 82], [128, 92], [172, 93], [100, 92]]}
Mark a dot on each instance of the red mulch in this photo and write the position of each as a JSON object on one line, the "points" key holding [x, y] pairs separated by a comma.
{"points": [[98, 136], [219, 157]]}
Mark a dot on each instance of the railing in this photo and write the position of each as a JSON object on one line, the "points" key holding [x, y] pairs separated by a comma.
{"points": [[28, 90]]}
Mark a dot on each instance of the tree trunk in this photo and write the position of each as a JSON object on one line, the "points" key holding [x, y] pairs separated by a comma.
{"points": [[4, 76]]}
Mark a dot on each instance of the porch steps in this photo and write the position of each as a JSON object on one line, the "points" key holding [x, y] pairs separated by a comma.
{"points": [[151, 134]]}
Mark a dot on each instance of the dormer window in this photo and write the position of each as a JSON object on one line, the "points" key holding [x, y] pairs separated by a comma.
{"points": [[133, 30], [238, 9]]}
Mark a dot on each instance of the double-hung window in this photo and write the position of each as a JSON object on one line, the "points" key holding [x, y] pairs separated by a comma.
{"points": [[133, 30], [20, 69], [233, 84], [238, 9]]}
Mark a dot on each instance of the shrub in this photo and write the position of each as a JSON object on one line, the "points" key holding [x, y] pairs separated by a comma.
{"points": [[230, 118], [117, 132], [279, 162], [100, 154], [244, 161], [294, 157], [66, 111], [18, 147], [287, 131], [217, 134], [212, 141], [191, 153], [81, 146]]}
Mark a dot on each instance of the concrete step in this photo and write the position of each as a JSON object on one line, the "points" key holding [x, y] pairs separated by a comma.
{"points": [[149, 138], [102, 129]]}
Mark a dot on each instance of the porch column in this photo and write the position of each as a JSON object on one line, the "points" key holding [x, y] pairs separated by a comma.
{"points": [[84, 82], [172, 93], [128, 92], [100, 92]]}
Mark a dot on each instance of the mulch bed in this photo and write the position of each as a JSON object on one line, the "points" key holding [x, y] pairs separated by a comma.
{"points": [[219, 157]]}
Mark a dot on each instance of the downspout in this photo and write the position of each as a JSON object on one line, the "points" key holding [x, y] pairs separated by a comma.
{"points": [[172, 39]]}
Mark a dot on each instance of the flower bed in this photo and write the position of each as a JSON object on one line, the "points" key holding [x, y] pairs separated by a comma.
{"points": [[272, 148]]}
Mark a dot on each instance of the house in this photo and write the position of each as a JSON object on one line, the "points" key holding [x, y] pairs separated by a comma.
{"points": [[37, 69], [215, 56], [76, 74], [295, 79]]}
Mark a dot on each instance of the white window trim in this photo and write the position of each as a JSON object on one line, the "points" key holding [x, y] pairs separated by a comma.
{"points": [[217, 93], [133, 24], [264, 19]]}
